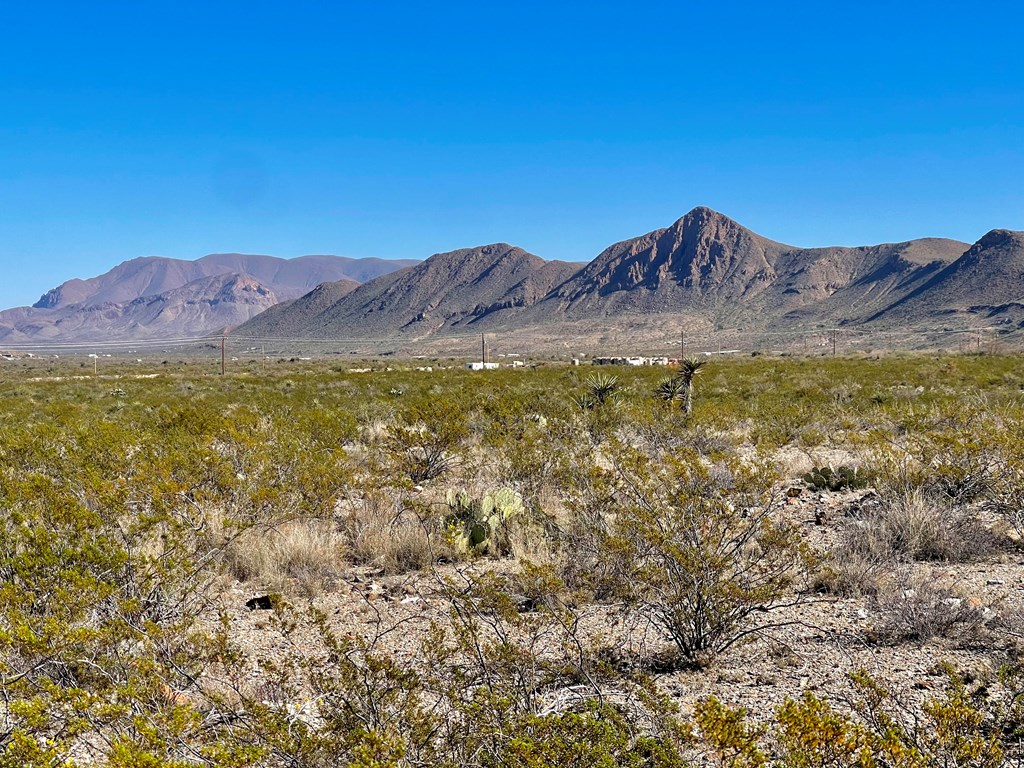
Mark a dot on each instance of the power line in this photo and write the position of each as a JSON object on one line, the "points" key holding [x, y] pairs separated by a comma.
{"points": [[693, 340]]}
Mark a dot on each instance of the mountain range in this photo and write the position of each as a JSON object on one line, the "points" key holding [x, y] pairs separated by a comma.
{"points": [[155, 297], [703, 271]]}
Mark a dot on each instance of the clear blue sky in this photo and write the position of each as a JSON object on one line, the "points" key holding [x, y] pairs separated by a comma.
{"points": [[401, 129]]}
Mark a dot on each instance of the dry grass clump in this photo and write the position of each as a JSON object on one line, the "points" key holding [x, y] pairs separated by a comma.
{"points": [[903, 527], [385, 534], [920, 607], [851, 573], [374, 432], [916, 526], [309, 553]]}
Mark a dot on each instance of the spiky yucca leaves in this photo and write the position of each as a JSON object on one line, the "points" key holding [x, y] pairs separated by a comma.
{"points": [[688, 368], [672, 390], [679, 388], [600, 389]]}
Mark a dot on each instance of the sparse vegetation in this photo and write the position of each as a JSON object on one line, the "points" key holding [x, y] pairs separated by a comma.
{"points": [[487, 571], [909, 526]]}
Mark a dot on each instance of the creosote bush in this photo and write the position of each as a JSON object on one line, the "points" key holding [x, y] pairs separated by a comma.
{"points": [[429, 441], [699, 550]]}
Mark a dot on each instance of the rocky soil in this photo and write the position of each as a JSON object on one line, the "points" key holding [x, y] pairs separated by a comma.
{"points": [[821, 640]]}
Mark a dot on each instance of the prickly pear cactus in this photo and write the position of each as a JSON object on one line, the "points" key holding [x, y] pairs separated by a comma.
{"points": [[480, 526]]}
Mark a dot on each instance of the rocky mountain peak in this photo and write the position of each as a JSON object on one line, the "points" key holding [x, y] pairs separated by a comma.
{"points": [[999, 238], [481, 255]]}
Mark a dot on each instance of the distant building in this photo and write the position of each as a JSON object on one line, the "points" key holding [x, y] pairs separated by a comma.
{"points": [[477, 365], [630, 361]]}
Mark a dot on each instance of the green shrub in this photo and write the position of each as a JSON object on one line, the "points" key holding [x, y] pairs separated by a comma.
{"points": [[701, 552], [429, 442]]}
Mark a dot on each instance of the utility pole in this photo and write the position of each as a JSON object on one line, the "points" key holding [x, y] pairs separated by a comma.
{"points": [[682, 346], [222, 361], [483, 348], [835, 332]]}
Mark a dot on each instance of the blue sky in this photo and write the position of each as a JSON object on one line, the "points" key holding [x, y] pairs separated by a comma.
{"points": [[400, 129]]}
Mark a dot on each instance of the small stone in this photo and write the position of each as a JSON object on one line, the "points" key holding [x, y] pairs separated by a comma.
{"points": [[994, 582], [260, 603]]}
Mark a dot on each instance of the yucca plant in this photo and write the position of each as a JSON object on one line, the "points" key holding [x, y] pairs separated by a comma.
{"points": [[688, 368], [679, 388], [672, 390], [600, 390]]}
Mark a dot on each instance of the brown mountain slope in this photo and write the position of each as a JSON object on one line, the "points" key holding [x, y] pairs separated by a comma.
{"points": [[705, 269], [202, 307], [987, 282], [881, 274], [152, 275], [449, 292], [707, 264], [291, 319]]}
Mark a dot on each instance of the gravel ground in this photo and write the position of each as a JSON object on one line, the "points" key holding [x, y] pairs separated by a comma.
{"points": [[824, 639]]}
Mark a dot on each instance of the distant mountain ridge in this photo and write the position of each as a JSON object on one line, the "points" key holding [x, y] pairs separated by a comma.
{"points": [[707, 264], [704, 269], [987, 280], [152, 275], [448, 291], [155, 297]]}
